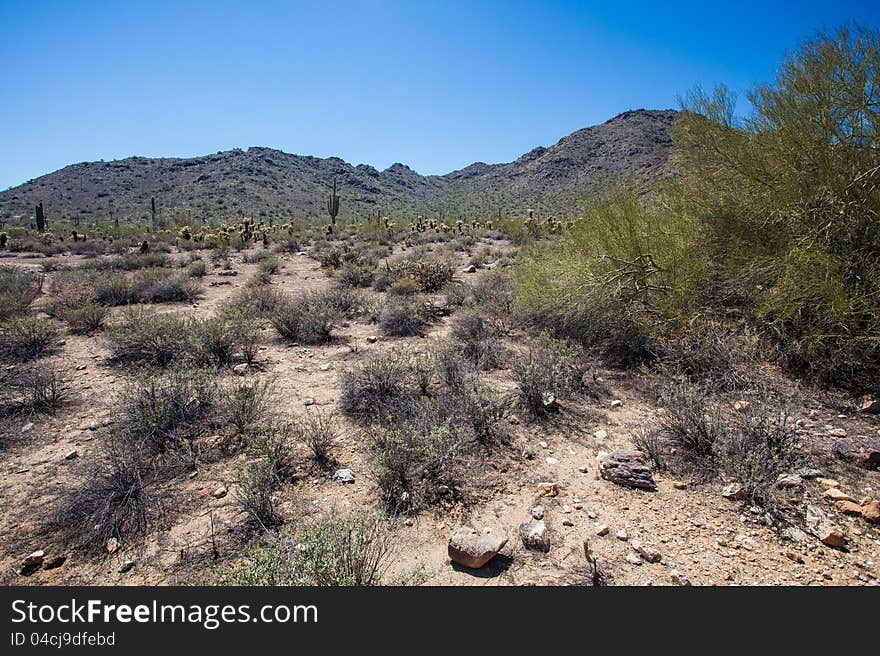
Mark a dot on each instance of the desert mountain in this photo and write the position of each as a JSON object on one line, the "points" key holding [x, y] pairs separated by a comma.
{"points": [[267, 183]]}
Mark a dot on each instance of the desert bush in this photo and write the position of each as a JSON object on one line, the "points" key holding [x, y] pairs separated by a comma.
{"points": [[414, 462], [549, 370], [318, 431], [196, 269], [25, 338], [269, 266], [353, 550], [86, 319], [479, 340], [111, 500], [168, 410], [430, 274], [694, 427], [346, 302], [259, 301], [245, 404], [308, 319], [255, 482], [144, 337], [381, 387], [404, 287], [162, 286], [402, 317], [270, 443], [18, 288], [494, 293], [477, 408], [355, 275], [37, 389]]}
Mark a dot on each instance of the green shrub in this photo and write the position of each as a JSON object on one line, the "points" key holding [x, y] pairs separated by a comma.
{"points": [[25, 338], [18, 288], [381, 387], [403, 317], [308, 318], [86, 319], [354, 550]]}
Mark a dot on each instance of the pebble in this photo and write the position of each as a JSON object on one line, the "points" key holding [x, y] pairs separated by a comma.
{"points": [[344, 476], [126, 566], [602, 529], [538, 512], [622, 535], [308, 401]]}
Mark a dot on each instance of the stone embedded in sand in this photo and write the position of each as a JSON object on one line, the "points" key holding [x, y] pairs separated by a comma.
{"points": [[647, 552], [871, 511], [602, 529], [820, 526], [864, 451], [344, 476], [869, 404], [789, 481], [534, 535], [240, 369], [126, 566], [54, 562], [471, 550], [626, 467], [219, 492], [547, 489], [735, 492], [112, 545], [836, 494], [849, 508]]}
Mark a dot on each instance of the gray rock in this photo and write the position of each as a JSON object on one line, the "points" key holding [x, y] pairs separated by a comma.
{"points": [[344, 476], [633, 558], [472, 550], [538, 512], [819, 525], [626, 467], [864, 451], [534, 535], [126, 566]]}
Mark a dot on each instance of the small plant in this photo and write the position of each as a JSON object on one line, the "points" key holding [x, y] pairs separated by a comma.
{"points": [[25, 338], [308, 319], [318, 430], [402, 317], [381, 387], [87, 319], [255, 482], [353, 550], [246, 404], [479, 340], [18, 288], [271, 445]]}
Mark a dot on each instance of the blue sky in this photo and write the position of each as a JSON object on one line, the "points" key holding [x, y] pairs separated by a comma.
{"points": [[435, 85]]}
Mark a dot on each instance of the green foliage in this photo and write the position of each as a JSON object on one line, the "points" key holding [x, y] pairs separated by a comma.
{"points": [[354, 550], [18, 288]]}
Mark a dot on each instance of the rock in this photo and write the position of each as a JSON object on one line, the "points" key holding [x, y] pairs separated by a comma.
{"points": [[825, 483], [344, 476], [869, 405], [471, 550], [566, 508], [528, 452], [794, 556], [742, 406], [735, 492], [534, 535], [626, 467], [538, 512], [864, 451], [514, 420], [125, 567], [622, 535], [836, 494], [27, 427], [70, 455], [849, 508], [820, 526], [469, 269], [324, 367], [837, 432], [548, 400], [548, 489], [600, 434], [34, 559], [795, 534], [648, 553], [680, 485], [633, 558], [583, 469], [567, 522], [219, 492], [54, 562], [372, 339], [227, 272], [602, 529], [240, 369], [871, 511], [809, 473], [678, 578], [308, 401], [789, 481], [112, 545], [616, 403]]}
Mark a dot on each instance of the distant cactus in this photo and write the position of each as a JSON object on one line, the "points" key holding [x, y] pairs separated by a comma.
{"points": [[40, 219], [153, 211], [333, 204]]}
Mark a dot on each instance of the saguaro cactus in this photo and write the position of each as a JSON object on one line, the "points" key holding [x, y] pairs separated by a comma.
{"points": [[333, 204], [40, 218]]}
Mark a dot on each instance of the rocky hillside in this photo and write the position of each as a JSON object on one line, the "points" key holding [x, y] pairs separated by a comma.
{"points": [[262, 182]]}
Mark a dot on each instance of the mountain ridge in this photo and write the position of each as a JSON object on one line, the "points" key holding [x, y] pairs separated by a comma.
{"points": [[269, 183]]}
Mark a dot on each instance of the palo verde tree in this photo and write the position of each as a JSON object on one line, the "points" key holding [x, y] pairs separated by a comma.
{"points": [[789, 199]]}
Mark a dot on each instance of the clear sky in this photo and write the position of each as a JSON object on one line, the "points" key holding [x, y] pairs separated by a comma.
{"points": [[435, 85]]}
